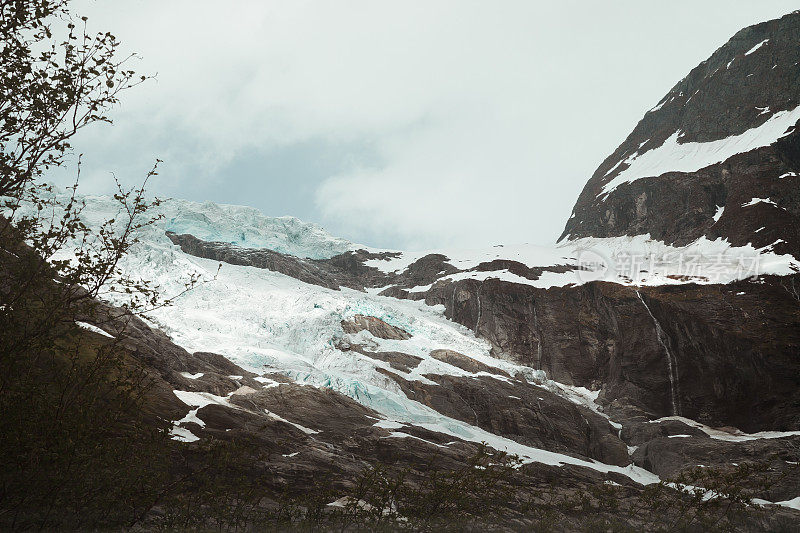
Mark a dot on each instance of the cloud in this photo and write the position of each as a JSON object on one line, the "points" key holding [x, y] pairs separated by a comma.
{"points": [[456, 122]]}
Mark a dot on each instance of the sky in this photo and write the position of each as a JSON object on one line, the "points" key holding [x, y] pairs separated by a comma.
{"points": [[404, 125]]}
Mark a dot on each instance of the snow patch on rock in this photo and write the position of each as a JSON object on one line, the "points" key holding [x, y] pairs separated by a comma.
{"points": [[93, 329], [674, 156], [756, 47], [731, 435]]}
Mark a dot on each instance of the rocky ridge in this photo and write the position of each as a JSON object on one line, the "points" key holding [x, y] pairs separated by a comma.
{"points": [[721, 149]]}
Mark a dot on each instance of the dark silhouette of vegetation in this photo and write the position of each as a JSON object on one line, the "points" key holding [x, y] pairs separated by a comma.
{"points": [[492, 491], [73, 443], [57, 79]]}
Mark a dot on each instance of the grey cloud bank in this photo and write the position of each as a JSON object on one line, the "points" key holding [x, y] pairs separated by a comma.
{"points": [[408, 125]]}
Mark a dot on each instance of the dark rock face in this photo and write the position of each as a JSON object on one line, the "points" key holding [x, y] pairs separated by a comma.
{"points": [[736, 355], [524, 412], [345, 270], [465, 363], [638, 433], [397, 360], [731, 92], [669, 456], [375, 326], [649, 205]]}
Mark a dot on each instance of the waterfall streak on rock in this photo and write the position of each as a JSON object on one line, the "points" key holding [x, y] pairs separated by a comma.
{"points": [[672, 363], [478, 321], [538, 339]]}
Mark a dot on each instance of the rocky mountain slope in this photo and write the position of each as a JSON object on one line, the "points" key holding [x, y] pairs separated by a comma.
{"points": [[718, 157]]}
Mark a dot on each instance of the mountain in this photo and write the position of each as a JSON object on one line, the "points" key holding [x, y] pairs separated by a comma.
{"points": [[660, 338], [717, 157]]}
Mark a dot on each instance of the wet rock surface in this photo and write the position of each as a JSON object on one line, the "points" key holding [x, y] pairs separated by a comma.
{"points": [[465, 363], [735, 346], [376, 326]]}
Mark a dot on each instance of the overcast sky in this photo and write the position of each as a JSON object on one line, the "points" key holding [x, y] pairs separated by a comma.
{"points": [[412, 124]]}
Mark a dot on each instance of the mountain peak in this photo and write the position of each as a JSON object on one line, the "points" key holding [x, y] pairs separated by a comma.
{"points": [[723, 135]]}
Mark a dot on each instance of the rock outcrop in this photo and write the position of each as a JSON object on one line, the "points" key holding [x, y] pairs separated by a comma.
{"points": [[734, 346]]}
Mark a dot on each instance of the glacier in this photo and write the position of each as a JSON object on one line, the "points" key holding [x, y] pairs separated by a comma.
{"points": [[270, 323]]}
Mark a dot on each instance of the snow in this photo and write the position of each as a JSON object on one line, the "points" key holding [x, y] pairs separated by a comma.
{"points": [[580, 396], [634, 261], [788, 175], [465, 259], [421, 288], [756, 47], [361, 504], [267, 382], [793, 503], [182, 435], [658, 106], [673, 156], [755, 201], [248, 227], [304, 429], [388, 424], [735, 435], [200, 399], [157, 259], [401, 435], [640, 260], [187, 375], [268, 322], [545, 281], [93, 328], [192, 417], [631, 260], [345, 371], [240, 225], [718, 214]]}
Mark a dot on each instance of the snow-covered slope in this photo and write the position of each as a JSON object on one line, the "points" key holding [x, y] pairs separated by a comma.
{"points": [[235, 224], [270, 323], [267, 322], [639, 260], [676, 156]]}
